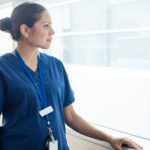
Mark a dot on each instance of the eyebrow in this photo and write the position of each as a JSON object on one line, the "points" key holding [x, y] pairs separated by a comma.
{"points": [[47, 22]]}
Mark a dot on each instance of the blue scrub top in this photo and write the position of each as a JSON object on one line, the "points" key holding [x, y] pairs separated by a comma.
{"points": [[23, 128]]}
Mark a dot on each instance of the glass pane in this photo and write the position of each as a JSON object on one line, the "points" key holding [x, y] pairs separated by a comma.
{"points": [[6, 41], [17, 2], [81, 16], [84, 49], [56, 2], [5, 10], [130, 50], [129, 13]]}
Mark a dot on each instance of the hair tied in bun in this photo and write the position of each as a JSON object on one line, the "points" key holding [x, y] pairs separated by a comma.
{"points": [[5, 24]]}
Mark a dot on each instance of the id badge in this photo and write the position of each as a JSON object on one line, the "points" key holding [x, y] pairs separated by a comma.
{"points": [[46, 111], [53, 145]]}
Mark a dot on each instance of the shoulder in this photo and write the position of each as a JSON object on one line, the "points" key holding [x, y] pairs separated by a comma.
{"points": [[4, 59], [53, 64], [4, 64], [51, 60]]}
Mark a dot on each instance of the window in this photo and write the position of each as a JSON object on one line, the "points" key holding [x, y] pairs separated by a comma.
{"points": [[129, 46], [105, 47], [6, 41]]}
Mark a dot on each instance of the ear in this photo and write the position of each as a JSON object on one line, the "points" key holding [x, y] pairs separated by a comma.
{"points": [[25, 30]]}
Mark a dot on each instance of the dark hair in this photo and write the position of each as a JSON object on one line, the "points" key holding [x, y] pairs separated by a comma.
{"points": [[26, 13]]}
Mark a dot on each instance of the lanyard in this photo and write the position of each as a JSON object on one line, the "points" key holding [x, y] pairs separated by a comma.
{"points": [[42, 97]]}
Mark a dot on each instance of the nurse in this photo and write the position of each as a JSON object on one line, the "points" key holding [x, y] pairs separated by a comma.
{"points": [[35, 94]]}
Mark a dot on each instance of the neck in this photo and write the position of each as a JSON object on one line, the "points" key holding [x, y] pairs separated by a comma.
{"points": [[28, 53]]}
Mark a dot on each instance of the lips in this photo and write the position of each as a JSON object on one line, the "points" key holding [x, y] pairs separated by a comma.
{"points": [[49, 40]]}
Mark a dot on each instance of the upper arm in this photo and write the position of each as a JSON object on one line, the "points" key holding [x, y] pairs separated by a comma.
{"points": [[68, 92], [69, 114]]}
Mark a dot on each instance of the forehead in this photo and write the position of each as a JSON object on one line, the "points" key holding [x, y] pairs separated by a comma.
{"points": [[45, 17]]}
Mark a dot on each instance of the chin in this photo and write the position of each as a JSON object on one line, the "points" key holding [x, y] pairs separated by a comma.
{"points": [[45, 47]]}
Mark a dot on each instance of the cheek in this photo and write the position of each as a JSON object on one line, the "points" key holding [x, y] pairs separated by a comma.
{"points": [[38, 38], [39, 33]]}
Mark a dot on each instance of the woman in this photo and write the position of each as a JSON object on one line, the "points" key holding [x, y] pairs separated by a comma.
{"points": [[35, 94]]}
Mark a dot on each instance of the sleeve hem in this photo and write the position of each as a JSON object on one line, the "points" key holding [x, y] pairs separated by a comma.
{"points": [[70, 102]]}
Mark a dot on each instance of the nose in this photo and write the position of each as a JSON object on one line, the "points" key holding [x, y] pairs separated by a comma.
{"points": [[51, 32]]}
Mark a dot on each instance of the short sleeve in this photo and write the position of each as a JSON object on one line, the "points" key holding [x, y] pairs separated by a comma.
{"points": [[68, 92], [2, 96]]}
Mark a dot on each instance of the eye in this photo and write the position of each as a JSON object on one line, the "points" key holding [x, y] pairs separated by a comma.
{"points": [[46, 26]]}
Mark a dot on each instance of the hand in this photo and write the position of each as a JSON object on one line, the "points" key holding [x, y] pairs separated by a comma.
{"points": [[117, 143]]}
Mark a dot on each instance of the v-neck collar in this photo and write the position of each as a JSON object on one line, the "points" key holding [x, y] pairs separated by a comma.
{"points": [[32, 71]]}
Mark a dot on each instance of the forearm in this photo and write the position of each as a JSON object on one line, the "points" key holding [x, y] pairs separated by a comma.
{"points": [[80, 125], [83, 127]]}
